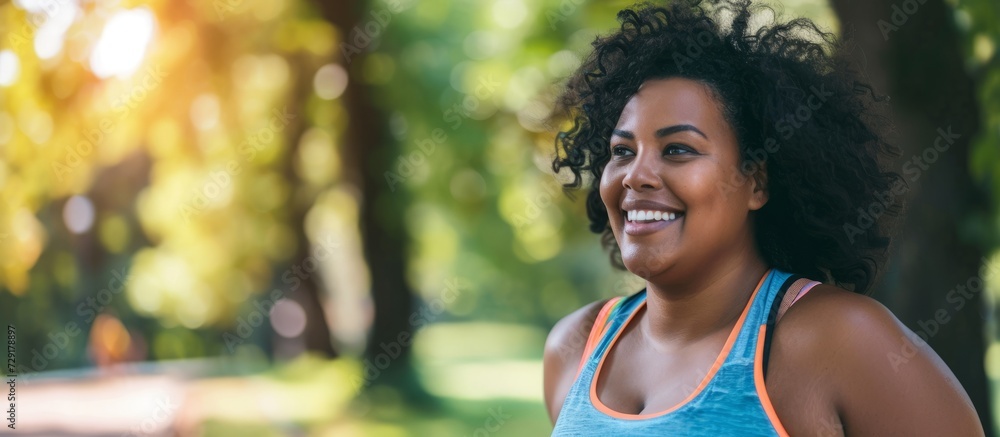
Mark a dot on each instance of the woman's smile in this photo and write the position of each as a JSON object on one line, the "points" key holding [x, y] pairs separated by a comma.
{"points": [[643, 217], [646, 223]]}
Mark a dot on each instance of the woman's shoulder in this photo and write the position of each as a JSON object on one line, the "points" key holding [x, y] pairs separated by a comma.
{"points": [[563, 350], [831, 313], [568, 337], [826, 307], [829, 324], [871, 368]]}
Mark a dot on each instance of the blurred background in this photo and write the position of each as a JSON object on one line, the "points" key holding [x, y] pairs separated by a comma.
{"points": [[305, 217]]}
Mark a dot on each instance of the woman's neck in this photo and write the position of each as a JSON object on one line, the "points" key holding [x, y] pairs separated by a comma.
{"points": [[679, 313]]}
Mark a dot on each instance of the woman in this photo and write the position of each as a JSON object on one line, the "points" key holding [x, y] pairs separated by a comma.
{"points": [[728, 165]]}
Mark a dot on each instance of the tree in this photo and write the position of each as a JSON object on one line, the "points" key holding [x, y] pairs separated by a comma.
{"points": [[911, 51], [365, 160]]}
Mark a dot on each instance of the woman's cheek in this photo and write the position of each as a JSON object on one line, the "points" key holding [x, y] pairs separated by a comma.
{"points": [[609, 178]]}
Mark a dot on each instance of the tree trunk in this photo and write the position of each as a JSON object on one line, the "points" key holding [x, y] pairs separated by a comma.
{"points": [[919, 64], [316, 336], [367, 154]]}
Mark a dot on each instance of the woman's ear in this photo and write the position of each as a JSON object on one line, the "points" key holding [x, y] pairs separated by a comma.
{"points": [[759, 196]]}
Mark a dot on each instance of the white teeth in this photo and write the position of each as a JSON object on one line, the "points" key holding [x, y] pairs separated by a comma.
{"points": [[649, 215]]}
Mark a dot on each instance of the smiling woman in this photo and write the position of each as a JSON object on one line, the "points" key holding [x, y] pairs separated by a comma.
{"points": [[726, 167]]}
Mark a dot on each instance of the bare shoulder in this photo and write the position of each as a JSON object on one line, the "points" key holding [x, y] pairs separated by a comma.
{"points": [[569, 334], [563, 350], [827, 312], [878, 375]]}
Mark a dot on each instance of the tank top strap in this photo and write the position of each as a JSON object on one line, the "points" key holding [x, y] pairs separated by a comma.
{"points": [[612, 317], [793, 289], [597, 329], [763, 299]]}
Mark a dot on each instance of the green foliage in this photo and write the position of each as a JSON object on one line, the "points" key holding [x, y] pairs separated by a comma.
{"points": [[979, 23], [155, 176]]}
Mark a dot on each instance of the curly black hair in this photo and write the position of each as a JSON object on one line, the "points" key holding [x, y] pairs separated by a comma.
{"points": [[807, 127]]}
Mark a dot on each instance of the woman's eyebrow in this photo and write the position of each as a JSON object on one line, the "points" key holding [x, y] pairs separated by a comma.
{"points": [[662, 132]]}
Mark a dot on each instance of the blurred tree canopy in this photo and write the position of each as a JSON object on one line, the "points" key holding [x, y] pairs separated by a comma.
{"points": [[179, 155]]}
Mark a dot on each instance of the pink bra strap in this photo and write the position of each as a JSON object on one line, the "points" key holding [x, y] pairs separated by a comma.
{"points": [[795, 292]]}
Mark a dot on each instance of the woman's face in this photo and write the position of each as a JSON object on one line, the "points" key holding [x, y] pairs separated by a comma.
{"points": [[675, 160]]}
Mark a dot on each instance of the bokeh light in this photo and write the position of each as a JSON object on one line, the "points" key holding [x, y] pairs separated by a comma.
{"points": [[50, 36], [288, 318], [330, 81], [122, 45], [78, 213], [10, 66], [205, 111]]}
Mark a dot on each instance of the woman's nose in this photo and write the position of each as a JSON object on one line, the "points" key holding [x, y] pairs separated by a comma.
{"points": [[641, 175]]}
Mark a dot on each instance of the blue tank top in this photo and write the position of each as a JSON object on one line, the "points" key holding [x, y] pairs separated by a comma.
{"points": [[731, 399]]}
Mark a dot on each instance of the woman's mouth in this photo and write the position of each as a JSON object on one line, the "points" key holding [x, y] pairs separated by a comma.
{"points": [[644, 222]]}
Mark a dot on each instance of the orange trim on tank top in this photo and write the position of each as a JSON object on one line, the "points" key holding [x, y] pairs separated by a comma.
{"points": [[596, 331], [721, 358], [758, 379]]}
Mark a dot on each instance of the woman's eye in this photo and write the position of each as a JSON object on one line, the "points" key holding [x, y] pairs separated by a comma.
{"points": [[677, 149], [620, 150], [671, 149]]}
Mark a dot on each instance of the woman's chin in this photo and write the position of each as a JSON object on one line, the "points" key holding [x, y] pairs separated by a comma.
{"points": [[641, 267], [648, 256]]}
